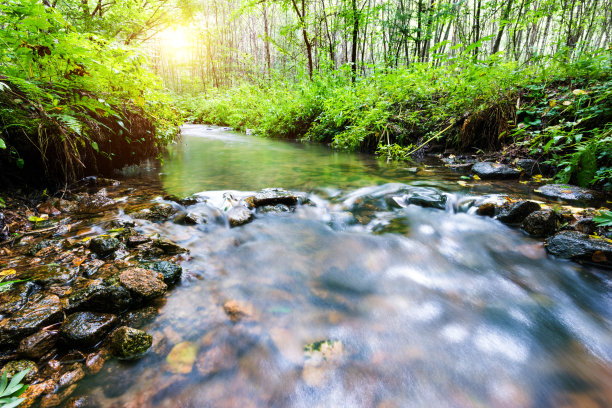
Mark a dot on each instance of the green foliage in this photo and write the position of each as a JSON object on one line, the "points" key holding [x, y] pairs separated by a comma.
{"points": [[394, 151], [604, 219], [10, 392]]}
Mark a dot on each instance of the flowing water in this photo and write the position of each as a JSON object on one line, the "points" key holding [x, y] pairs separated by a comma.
{"points": [[357, 298]]}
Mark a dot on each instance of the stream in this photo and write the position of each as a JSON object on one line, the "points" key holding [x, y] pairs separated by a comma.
{"points": [[357, 297]]}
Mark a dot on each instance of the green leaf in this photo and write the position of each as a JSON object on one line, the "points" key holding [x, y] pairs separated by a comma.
{"points": [[604, 219], [15, 384], [94, 145], [2, 144], [3, 383], [20, 163], [11, 402]]}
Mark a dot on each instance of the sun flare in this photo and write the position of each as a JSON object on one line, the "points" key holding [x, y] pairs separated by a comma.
{"points": [[177, 41]]}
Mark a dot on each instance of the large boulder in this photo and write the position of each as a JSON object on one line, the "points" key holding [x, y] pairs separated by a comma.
{"points": [[494, 171], [14, 367], [34, 316], [570, 194], [518, 212], [86, 328], [129, 343], [578, 246]]}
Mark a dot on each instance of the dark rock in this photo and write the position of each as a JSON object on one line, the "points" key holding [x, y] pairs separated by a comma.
{"points": [[14, 367], [15, 296], [185, 202], [486, 209], [3, 228], [139, 317], [34, 316], [157, 212], [585, 225], [65, 205], [274, 209], [96, 203], [82, 402], [239, 215], [94, 362], [491, 171], [47, 275], [541, 223], [128, 343], [570, 194], [137, 239], [518, 211], [578, 246], [189, 218], [171, 271], [86, 328], [273, 196], [104, 246], [144, 284], [532, 167], [36, 345], [169, 247], [105, 296], [34, 249], [421, 196]]}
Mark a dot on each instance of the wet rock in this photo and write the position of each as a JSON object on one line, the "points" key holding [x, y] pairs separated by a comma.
{"points": [[34, 391], [65, 206], [15, 296], [37, 344], [105, 296], [185, 202], [50, 400], [47, 275], [578, 246], [155, 213], [49, 209], [189, 218], [172, 272], [3, 228], [274, 209], [82, 402], [143, 283], [541, 223], [494, 171], [94, 362], [532, 167], [72, 376], [104, 246], [570, 194], [34, 316], [585, 225], [169, 247], [320, 359], [14, 367], [272, 196], [136, 239], [140, 317], [181, 358], [239, 215], [128, 343], [486, 209], [238, 310], [216, 359], [96, 203], [86, 328], [423, 197], [518, 211], [34, 249]]}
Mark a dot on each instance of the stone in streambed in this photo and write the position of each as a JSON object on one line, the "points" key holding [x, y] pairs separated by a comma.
{"points": [[518, 211], [14, 367], [272, 196], [104, 246], [15, 296], [46, 275], [189, 218], [541, 223], [171, 271], [37, 344], [128, 343], [74, 375], [181, 358], [570, 194], [157, 212], [34, 316], [578, 246], [216, 359], [274, 209], [239, 215], [142, 283], [106, 296], [487, 210], [494, 171], [168, 247], [96, 203], [86, 328], [139, 317]]}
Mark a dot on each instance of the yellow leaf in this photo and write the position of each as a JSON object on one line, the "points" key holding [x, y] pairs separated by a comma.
{"points": [[8, 272], [579, 92], [462, 183], [476, 177], [523, 182], [567, 103], [537, 191], [552, 103]]}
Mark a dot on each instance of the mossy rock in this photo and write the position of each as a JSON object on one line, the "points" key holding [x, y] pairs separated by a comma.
{"points": [[128, 343]]}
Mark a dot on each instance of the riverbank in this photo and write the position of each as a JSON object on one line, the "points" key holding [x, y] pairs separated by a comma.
{"points": [[89, 261]]}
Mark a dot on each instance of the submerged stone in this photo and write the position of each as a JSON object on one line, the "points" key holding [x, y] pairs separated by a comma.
{"points": [[129, 343], [142, 283], [104, 246], [518, 211], [491, 171], [569, 193], [273, 196], [34, 316], [86, 328], [181, 358], [171, 271]]}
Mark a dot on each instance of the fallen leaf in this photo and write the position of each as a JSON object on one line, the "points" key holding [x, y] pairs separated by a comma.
{"points": [[599, 256], [476, 177], [181, 358]]}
